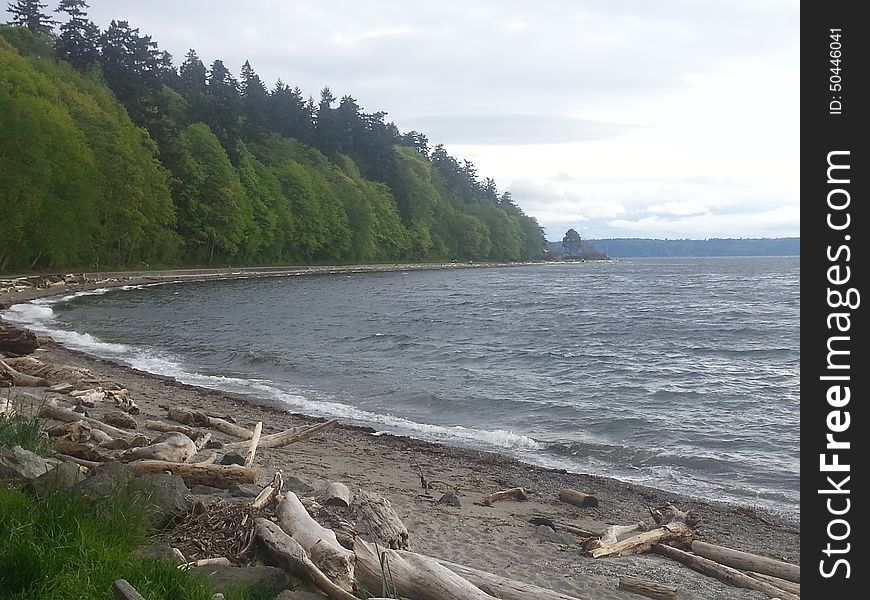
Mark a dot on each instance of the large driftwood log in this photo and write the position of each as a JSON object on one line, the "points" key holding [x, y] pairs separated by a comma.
{"points": [[82, 450], [643, 542], [650, 589], [169, 428], [617, 533], [337, 494], [411, 575], [319, 543], [289, 555], [17, 378], [230, 428], [722, 573], [516, 493], [197, 418], [747, 561], [375, 515], [286, 437], [789, 586], [578, 498], [15, 341], [177, 447], [255, 439], [58, 413], [54, 374], [219, 476], [122, 590], [502, 587]]}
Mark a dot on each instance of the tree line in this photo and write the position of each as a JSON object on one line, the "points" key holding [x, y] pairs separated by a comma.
{"points": [[110, 155]]}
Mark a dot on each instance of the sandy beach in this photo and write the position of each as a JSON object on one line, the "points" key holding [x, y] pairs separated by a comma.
{"points": [[499, 539]]}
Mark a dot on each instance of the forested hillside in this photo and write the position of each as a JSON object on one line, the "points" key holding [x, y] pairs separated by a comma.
{"points": [[111, 156]]}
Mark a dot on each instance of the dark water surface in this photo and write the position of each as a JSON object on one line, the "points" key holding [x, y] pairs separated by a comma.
{"points": [[679, 373]]}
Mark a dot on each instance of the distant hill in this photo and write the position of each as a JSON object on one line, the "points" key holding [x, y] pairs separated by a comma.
{"points": [[638, 247]]}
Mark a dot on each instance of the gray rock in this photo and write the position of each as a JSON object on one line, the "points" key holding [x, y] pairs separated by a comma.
{"points": [[245, 490], [547, 534], [167, 495], [297, 486], [206, 490], [16, 463], [220, 578], [450, 499], [60, 479], [233, 459], [106, 479], [160, 552], [80, 409]]}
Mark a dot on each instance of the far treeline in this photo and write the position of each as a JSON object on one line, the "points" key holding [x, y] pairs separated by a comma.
{"points": [[110, 156], [637, 247]]}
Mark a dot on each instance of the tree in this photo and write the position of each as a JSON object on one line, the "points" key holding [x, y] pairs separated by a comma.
{"points": [[571, 243], [29, 14], [77, 43]]}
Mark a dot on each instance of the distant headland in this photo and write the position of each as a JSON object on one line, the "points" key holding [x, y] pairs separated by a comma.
{"points": [[641, 247]]}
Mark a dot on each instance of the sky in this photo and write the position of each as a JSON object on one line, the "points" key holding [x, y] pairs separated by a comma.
{"points": [[620, 118]]}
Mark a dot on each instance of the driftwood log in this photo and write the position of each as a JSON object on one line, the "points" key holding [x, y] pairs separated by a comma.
{"points": [[54, 374], [320, 543], [375, 515], [516, 493], [169, 428], [82, 450], [15, 341], [17, 378], [286, 437], [122, 590], [643, 542], [725, 574], [177, 447], [197, 418], [650, 589], [219, 476], [502, 587], [255, 439], [747, 561], [578, 498], [58, 413], [120, 419], [337, 494], [788, 586]]}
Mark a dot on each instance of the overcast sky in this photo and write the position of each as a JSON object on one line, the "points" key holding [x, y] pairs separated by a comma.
{"points": [[620, 118]]}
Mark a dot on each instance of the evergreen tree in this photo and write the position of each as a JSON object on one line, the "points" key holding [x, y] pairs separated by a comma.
{"points": [[571, 243], [77, 43], [192, 75], [29, 14], [254, 100]]}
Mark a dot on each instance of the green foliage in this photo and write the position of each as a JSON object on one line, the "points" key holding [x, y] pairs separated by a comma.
{"points": [[25, 431]]}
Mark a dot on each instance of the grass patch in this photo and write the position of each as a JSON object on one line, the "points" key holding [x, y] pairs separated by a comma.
{"points": [[23, 430], [64, 547]]}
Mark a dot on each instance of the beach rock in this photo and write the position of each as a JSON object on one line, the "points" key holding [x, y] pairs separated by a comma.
{"points": [[167, 495], [220, 578], [233, 459], [547, 534], [15, 341], [450, 499], [16, 463], [119, 419], [61, 478], [80, 409], [297, 486], [245, 490], [105, 479], [160, 552]]}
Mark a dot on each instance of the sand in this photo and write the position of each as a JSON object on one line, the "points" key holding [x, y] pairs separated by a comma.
{"points": [[498, 539]]}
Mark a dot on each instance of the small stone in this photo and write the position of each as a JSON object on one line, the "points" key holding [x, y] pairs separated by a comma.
{"points": [[245, 490], [297, 486], [233, 459], [450, 499], [80, 409], [220, 578]]}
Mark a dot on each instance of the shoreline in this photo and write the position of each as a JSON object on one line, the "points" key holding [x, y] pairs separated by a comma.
{"points": [[393, 465]]}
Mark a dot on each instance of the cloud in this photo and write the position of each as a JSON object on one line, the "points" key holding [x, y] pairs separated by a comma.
{"points": [[679, 208]]}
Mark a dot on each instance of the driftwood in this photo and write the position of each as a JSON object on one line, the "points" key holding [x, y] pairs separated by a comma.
{"points": [[219, 476], [230, 428], [516, 493], [15, 341], [617, 533], [90, 464], [255, 439], [502, 587], [375, 515], [642, 542], [722, 573], [289, 554], [411, 575], [268, 493], [200, 419], [168, 428], [76, 431], [337, 494], [177, 447], [558, 525], [788, 586], [747, 561], [650, 589], [120, 419], [122, 590], [82, 450], [119, 444], [669, 513], [52, 373], [578, 498], [17, 378], [286, 437], [209, 460], [50, 411], [320, 543]]}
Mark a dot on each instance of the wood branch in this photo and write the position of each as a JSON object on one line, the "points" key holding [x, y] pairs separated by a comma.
{"points": [[255, 439], [319, 543], [375, 516], [119, 444], [80, 461], [516, 493], [411, 575], [650, 589], [287, 437], [15, 341], [268, 493], [202, 562], [177, 447], [337, 494], [722, 573], [82, 450], [50, 411], [230, 428], [202, 440], [617, 533], [20, 379], [578, 498], [669, 513], [169, 428], [788, 586], [288, 553], [502, 587], [643, 542], [219, 476], [747, 561]]}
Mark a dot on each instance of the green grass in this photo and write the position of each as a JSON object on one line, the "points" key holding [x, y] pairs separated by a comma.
{"points": [[63, 547], [25, 431]]}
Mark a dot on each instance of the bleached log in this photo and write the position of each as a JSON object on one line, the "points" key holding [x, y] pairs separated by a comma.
{"points": [[375, 515], [120, 419], [617, 533], [516, 493], [168, 428], [202, 440], [268, 493], [90, 464], [82, 450], [177, 447], [119, 444], [49, 411], [669, 513], [320, 543], [255, 439], [21, 379], [51, 373], [502, 587], [230, 428], [289, 554], [643, 542], [287, 437], [188, 417], [202, 562], [76, 431], [337, 494], [578, 498], [412, 575], [723, 573], [747, 561], [650, 589], [219, 476], [788, 586]]}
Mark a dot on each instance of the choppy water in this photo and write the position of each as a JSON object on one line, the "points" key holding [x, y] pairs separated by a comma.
{"points": [[679, 373]]}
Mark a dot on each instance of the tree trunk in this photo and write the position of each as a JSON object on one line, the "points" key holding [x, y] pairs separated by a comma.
{"points": [[337, 494], [167, 428], [650, 589], [578, 498], [219, 476], [747, 561], [516, 493], [643, 542], [375, 515], [255, 439]]}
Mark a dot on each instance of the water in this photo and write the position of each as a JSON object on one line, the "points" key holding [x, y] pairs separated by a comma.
{"points": [[679, 373]]}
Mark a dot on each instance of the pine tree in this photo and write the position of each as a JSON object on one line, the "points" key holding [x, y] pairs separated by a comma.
{"points": [[29, 13], [77, 43], [193, 75]]}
